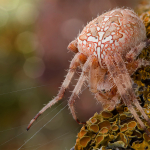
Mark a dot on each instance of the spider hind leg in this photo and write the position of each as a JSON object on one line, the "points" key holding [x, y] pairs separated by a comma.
{"points": [[79, 57], [134, 52], [121, 66], [119, 74]]}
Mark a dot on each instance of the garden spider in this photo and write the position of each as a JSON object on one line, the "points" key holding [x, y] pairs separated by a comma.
{"points": [[106, 50]]}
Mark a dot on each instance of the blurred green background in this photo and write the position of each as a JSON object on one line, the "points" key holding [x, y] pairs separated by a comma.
{"points": [[34, 35]]}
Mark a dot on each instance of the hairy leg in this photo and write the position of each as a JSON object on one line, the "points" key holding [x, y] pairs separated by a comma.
{"points": [[118, 80], [134, 52], [84, 74], [135, 65], [93, 76], [74, 64], [122, 68]]}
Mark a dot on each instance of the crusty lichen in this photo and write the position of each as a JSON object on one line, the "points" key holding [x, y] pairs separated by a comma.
{"points": [[118, 129]]}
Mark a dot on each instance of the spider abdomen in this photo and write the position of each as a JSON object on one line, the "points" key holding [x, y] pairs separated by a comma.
{"points": [[115, 31]]}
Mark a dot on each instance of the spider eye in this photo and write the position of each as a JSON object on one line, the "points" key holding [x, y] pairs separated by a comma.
{"points": [[112, 22], [103, 90]]}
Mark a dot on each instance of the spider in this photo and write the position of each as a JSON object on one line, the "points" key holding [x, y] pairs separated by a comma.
{"points": [[106, 51]]}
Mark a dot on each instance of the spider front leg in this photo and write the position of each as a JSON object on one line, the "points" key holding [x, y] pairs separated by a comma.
{"points": [[84, 74], [118, 77], [78, 58]]}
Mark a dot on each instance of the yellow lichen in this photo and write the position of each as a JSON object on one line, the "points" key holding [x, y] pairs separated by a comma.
{"points": [[141, 146], [93, 120], [94, 128], [115, 128], [84, 141], [132, 125], [104, 130], [106, 114], [104, 124], [99, 139], [124, 128]]}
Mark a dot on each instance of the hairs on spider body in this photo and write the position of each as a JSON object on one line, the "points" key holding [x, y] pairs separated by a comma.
{"points": [[107, 49]]}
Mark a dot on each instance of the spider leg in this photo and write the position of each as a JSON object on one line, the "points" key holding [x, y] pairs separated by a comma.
{"points": [[121, 66], [134, 52], [118, 80], [93, 76], [84, 74], [73, 46], [78, 58], [133, 66], [142, 62]]}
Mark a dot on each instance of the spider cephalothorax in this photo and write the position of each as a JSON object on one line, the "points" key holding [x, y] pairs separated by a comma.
{"points": [[107, 49]]}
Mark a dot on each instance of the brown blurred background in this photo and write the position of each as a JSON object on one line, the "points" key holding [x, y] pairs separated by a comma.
{"points": [[34, 35]]}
